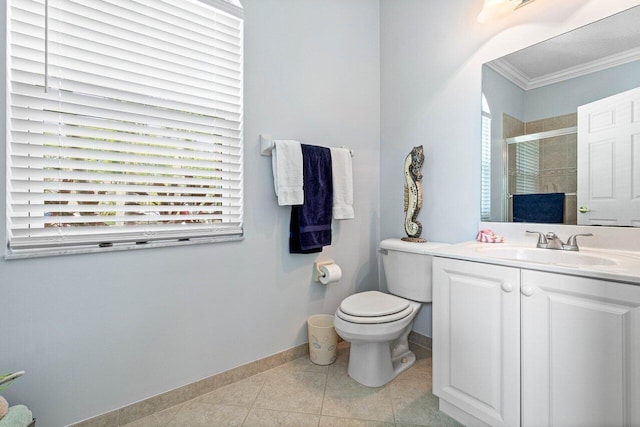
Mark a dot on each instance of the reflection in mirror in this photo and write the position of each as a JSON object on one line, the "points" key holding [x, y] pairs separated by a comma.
{"points": [[560, 126]]}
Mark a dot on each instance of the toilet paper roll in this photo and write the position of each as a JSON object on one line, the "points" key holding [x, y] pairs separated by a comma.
{"points": [[330, 273]]}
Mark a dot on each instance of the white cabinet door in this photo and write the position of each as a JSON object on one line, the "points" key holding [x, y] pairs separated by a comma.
{"points": [[580, 352], [609, 160], [476, 330]]}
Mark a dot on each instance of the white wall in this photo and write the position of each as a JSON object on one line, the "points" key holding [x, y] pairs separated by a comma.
{"points": [[565, 97], [95, 332], [431, 56]]}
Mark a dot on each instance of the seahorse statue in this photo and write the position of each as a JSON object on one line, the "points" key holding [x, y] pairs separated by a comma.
{"points": [[413, 194]]}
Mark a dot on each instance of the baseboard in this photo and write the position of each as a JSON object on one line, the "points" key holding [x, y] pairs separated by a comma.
{"points": [[419, 339], [165, 400], [459, 415]]}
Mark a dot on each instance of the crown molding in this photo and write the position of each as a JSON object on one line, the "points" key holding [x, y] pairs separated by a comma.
{"points": [[520, 79], [509, 72]]}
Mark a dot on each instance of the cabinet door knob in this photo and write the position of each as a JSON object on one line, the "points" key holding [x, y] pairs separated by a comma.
{"points": [[527, 291], [507, 287]]}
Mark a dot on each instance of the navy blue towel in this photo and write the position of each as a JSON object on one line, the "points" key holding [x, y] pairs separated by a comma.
{"points": [[310, 227], [545, 208]]}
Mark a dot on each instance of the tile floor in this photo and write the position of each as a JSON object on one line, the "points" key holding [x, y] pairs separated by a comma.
{"points": [[301, 394]]}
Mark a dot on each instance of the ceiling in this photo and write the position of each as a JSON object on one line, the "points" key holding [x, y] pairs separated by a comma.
{"points": [[609, 42]]}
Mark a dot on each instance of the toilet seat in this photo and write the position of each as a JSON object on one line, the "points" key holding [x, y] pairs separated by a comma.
{"points": [[373, 307]]}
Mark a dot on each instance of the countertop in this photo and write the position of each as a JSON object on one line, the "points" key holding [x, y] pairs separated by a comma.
{"points": [[626, 268]]}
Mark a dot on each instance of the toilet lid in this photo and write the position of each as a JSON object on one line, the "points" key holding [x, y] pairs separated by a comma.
{"points": [[373, 304], [374, 319]]}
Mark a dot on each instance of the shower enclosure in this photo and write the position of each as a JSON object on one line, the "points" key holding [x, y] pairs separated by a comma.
{"points": [[541, 159]]}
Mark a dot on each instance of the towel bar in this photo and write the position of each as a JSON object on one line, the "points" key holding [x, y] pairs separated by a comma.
{"points": [[510, 196], [266, 145]]}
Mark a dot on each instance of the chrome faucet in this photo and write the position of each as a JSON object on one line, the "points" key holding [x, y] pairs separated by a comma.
{"points": [[542, 240], [552, 241], [572, 243]]}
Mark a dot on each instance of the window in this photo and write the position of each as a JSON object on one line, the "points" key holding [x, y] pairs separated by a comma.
{"points": [[485, 168], [124, 123], [527, 167]]}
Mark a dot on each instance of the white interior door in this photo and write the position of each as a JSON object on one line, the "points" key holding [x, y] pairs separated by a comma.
{"points": [[609, 160]]}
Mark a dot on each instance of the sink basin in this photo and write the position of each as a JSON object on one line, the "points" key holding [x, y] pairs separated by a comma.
{"points": [[545, 256]]}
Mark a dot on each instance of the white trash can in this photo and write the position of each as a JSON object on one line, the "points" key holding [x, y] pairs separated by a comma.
{"points": [[322, 339]]}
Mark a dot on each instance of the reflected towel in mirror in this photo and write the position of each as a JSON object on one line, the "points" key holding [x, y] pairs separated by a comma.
{"points": [[545, 208]]}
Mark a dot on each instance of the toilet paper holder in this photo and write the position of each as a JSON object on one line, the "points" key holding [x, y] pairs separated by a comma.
{"points": [[317, 274]]}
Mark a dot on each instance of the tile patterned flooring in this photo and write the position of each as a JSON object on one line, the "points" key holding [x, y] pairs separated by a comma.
{"points": [[300, 394]]}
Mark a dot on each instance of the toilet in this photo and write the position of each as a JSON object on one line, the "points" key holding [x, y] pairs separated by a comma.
{"points": [[378, 324]]}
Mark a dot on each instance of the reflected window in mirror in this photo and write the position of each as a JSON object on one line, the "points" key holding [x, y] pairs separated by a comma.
{"points": [[485, 204]]}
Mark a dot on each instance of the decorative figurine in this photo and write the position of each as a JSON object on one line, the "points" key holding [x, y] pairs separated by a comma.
{"points": [[413, 194]]}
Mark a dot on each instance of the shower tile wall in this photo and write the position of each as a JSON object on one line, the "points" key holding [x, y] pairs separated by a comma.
{"points": [[511, 126], [558, 158]]}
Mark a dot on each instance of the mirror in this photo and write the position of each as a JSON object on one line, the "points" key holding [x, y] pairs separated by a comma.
{"points": [[542, 159]]}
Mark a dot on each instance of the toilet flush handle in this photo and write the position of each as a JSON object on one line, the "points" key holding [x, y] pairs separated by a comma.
{"points": [[384, 251]]}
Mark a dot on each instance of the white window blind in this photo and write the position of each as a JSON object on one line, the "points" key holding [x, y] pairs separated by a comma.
{"points": [[527, 167], [485, 168], [485, 180], [124, 121]]}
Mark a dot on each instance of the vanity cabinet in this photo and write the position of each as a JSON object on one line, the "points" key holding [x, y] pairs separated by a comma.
{"points": [[580, 351], [476, 341], [516, 347]]}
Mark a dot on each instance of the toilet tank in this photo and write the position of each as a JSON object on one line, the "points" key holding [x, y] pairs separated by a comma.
{"points": [[407, 268]]}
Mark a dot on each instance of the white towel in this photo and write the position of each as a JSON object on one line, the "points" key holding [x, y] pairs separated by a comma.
{"points": [[286, 159], [342, 183]]}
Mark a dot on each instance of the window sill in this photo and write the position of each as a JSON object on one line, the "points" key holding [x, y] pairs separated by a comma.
{"points": [[38, 253]]}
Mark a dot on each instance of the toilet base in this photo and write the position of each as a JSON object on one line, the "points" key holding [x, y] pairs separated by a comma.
{"points": [[403, 362], [373, 364]]}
